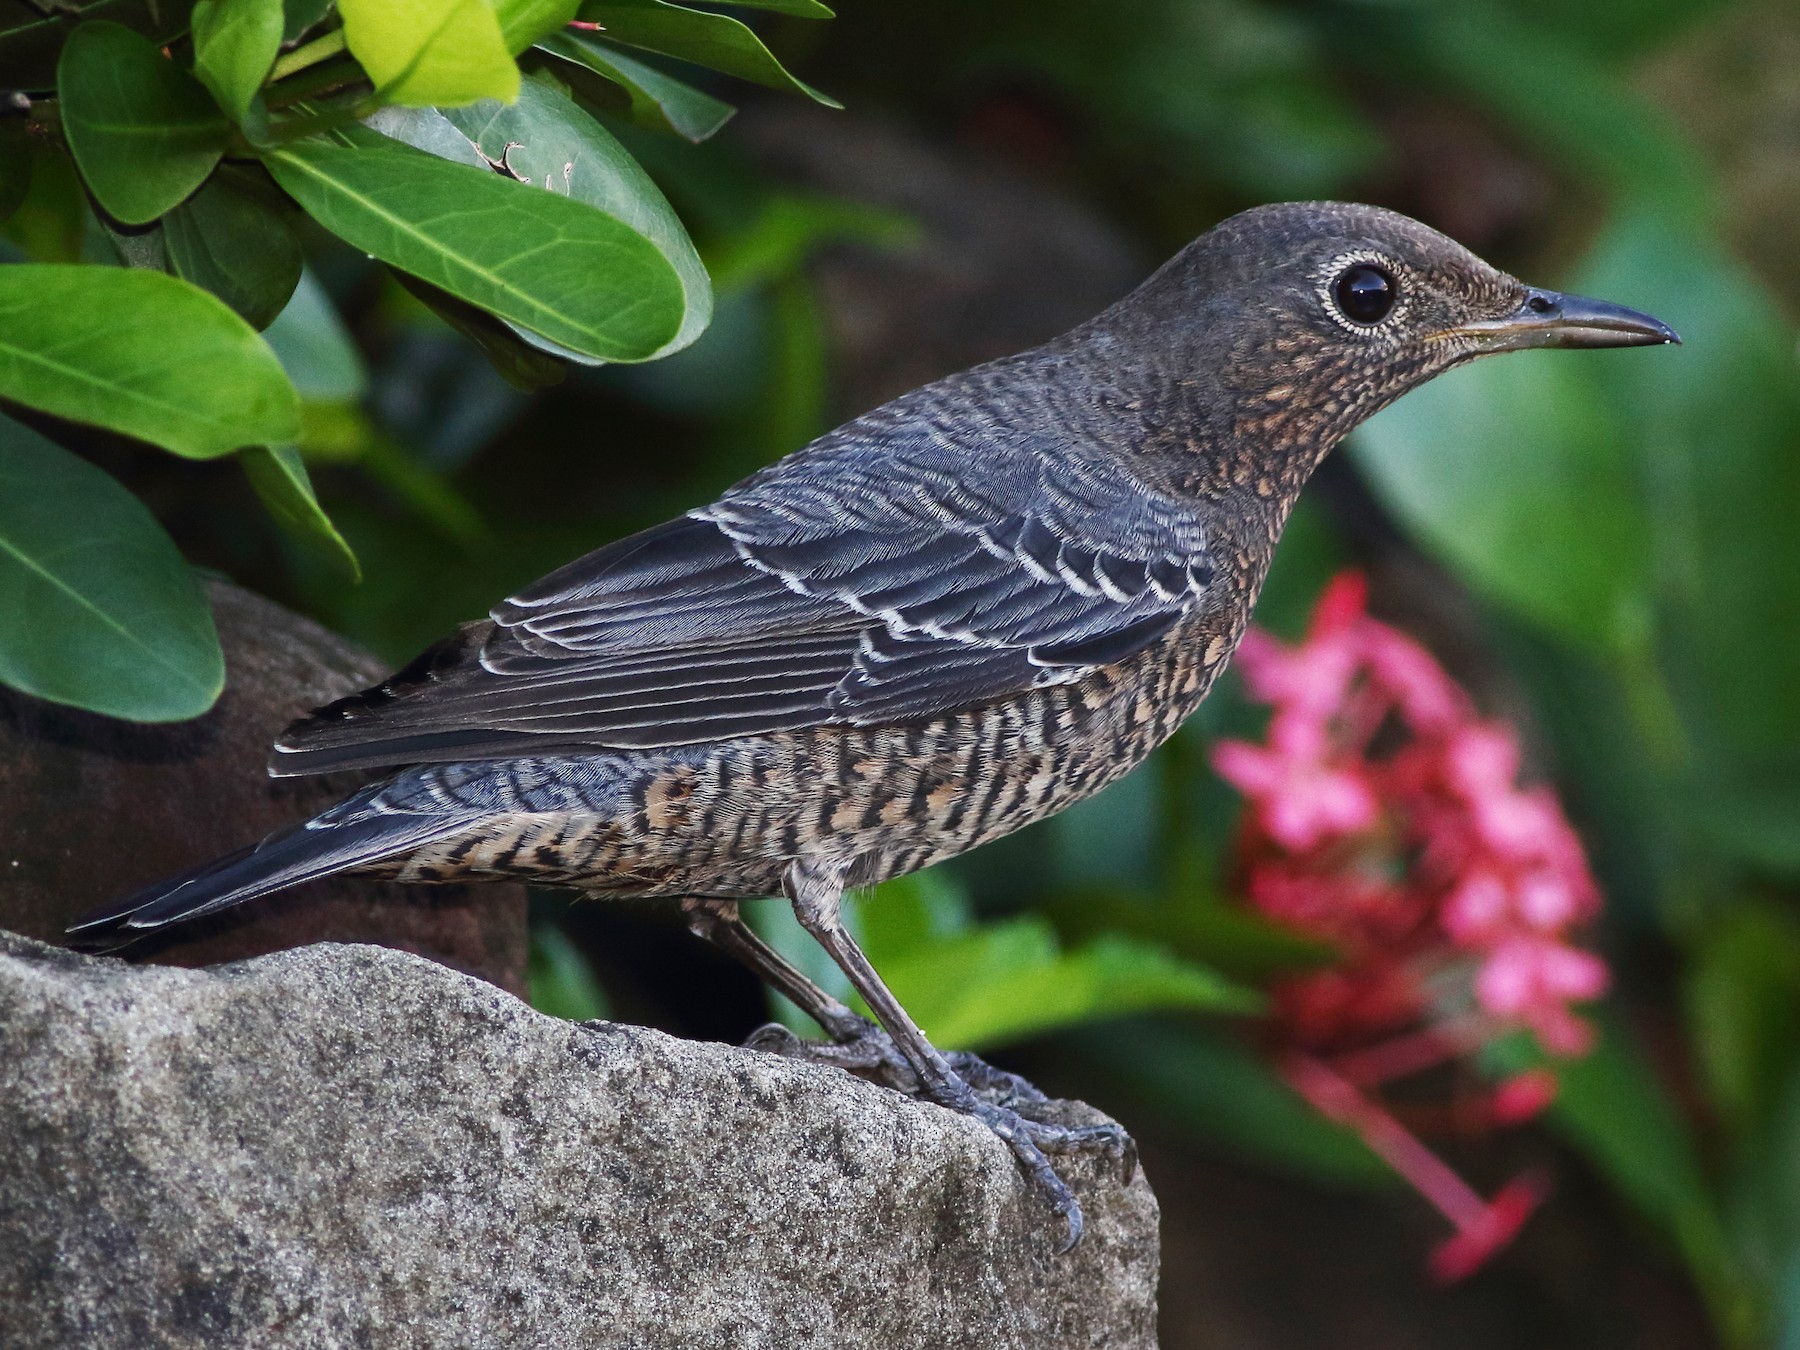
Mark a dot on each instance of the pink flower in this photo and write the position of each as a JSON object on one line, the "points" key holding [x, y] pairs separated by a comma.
{"points": [[1532, 980], [1387, 819], [1302, 802]]}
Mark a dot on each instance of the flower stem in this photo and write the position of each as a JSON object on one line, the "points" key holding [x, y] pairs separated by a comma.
{"points": [[1391, 1141]]}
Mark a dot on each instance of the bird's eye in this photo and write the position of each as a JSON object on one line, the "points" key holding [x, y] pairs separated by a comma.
{"points": [[1364, 293]]}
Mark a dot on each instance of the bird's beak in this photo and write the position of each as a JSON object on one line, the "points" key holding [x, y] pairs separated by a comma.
{"points": [[1551, 319]]}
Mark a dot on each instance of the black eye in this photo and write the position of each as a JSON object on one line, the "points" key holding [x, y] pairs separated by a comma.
{"points": [[1364, 293]]}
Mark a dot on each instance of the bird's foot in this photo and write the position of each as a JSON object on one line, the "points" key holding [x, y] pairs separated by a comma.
{"points": [[1034, 1142], [1007, 1104]]}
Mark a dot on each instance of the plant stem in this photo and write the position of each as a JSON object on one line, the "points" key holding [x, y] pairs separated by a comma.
{"points": [[310, 55], [315, 82]]}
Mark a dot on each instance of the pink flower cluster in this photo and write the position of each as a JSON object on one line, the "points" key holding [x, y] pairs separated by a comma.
{"points": [[1386, 819]]}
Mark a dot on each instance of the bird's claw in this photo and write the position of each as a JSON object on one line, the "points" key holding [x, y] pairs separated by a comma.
{"points": [[1031, 1141], [1109, 1140]]}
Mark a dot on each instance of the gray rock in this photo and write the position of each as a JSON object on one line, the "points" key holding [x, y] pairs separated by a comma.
{"points": [[350, 1146]]}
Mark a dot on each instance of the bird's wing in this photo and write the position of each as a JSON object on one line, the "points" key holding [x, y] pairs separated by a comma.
{"points": [[853, 583]]}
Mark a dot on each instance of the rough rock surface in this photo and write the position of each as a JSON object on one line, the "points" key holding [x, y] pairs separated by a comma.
{"points": [[346, 1145], [92, 808]]}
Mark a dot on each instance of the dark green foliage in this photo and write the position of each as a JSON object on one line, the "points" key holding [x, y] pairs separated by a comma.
{"points": [[201, 132], [82, 557]]}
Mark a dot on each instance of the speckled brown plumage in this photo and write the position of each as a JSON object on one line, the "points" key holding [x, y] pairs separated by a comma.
{"points": [[946, 619]]}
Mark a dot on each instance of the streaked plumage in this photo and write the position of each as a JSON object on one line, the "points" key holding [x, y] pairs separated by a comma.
{"points": [[942, 621]]}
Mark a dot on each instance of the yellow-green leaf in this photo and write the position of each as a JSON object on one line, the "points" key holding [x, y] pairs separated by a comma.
{"points": [[425, 52]]}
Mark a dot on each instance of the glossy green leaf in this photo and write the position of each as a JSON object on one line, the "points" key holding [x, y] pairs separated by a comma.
{"points": [[235, 42], [1519, 473], [143, 131], [429, 130], [715, 41], [556, 266], [547, 141], [315, 347], [653, 99], [279, 476], [141, 353], [423, 52], [523, 22], [228, 240], [101, 612]]}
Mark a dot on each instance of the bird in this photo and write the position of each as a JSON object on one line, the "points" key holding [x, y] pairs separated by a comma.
{"points": [[948, 618]]}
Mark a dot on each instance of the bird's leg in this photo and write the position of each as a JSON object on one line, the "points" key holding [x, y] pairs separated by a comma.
{"points": [[857, 1044], [817, 894]]}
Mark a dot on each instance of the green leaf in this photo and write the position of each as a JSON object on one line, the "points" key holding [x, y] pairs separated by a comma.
{"points": [[560, 980], [653, 99], [424, 52], [143, 131], [141, 353], [279, 476], [1006, 981], [547, 141], [228, 240], [523, 22], [101, 612], [315, 348], [715, 41], [235, 43], [556, 266], [1714, 425], [1743, 987], [1518, 472]]}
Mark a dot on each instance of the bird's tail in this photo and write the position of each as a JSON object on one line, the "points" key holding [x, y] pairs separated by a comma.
{"points": [[350, 835]]}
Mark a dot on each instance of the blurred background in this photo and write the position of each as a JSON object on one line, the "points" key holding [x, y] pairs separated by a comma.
{"points": [[1604, 549]]}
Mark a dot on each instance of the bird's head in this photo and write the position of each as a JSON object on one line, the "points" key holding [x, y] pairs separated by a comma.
{"points": [[1304, 318]]}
